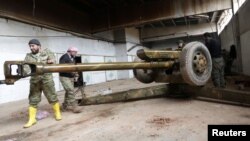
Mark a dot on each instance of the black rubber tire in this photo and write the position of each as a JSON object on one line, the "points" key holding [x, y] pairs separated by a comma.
{"points": [[186, 64], [144, 76]]}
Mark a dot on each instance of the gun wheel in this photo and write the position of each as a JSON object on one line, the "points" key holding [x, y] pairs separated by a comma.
{"points": [[195, 64], [143, 75]]}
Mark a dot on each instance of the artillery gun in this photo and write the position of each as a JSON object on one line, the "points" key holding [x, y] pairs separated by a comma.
{"points": [[191, 65]]}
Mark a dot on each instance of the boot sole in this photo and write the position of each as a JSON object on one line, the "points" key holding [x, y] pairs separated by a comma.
{"points": [[29, 126]]}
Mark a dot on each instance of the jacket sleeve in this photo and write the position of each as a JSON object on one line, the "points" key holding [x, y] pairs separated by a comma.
{"points": [[51, 55], [26, 68], [65, 59], [62, 60]]}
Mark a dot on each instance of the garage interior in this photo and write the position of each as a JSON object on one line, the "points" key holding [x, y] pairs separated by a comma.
{"points": [[115, 105]]}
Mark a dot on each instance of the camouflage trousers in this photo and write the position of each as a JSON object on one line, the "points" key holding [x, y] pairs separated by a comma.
{"points": [[36, 89], [218, 72], [68, 85]]}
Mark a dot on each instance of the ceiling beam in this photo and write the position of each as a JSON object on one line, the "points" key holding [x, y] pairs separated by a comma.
{"points": [[107, 3], [142, 1], [132, 15], [87, 3], [162, 24], [157, 34], [63, 17], [214, 17], [152, 25], [172, 20], [185, 20]]}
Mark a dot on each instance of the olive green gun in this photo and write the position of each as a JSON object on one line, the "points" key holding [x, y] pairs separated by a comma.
{"points": [[190, 65]]}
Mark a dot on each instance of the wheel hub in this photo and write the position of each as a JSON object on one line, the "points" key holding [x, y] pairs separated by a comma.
{"points": [[199, 63]]}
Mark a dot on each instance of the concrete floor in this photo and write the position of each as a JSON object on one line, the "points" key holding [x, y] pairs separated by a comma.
{"points": [[158, 119]]}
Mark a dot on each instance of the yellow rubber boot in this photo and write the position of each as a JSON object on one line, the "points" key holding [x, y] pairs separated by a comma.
{"points": [[32, 117], [56, 108]]}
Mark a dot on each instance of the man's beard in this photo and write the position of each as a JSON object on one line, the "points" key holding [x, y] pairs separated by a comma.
{"points": [[34, 51]]}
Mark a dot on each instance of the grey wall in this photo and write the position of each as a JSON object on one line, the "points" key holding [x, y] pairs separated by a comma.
{"points": [[14, 37], [244, 29], [238, 32], [227, 36]]}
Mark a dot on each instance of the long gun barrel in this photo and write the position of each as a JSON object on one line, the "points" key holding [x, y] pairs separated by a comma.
{"points": [[41, 69], [191, 65]]}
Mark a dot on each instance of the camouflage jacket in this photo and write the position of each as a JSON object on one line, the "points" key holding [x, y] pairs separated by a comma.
{"points": [[40, 57]]}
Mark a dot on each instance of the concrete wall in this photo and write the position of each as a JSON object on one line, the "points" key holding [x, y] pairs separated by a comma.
{"points": [[121, 56], [227, 36], [14, 37], [244, 29], [107, 35], [132, 35], [238, 32], [126, 48]]}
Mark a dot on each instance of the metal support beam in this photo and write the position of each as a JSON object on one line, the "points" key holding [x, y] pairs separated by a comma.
{"points": [[214, 17], [78, 17], [152, 25], [225, 96], [156, 34], [133, 15], [133, 94], [107, 3], [186, 20], [173, 22], [162, 24], [55, 15]]}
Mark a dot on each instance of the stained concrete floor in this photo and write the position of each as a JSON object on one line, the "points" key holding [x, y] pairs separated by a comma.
{"points": [[160, 119]]}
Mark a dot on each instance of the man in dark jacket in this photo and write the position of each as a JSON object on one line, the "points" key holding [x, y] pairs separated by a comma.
{"points": [[67, 80], [214, 48]]}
